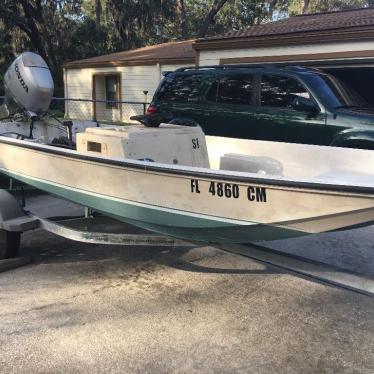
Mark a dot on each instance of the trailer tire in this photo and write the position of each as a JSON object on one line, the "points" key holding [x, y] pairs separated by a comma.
{"points": [[9, 244]]}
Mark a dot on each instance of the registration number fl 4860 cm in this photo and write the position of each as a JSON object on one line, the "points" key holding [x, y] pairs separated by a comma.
{"points": [[231, 191]]}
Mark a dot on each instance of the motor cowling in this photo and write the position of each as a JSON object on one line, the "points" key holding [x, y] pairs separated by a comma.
{"points": [[28, 85]]}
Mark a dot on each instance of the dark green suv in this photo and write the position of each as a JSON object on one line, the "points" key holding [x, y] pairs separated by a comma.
{"points": [[290, 104]]}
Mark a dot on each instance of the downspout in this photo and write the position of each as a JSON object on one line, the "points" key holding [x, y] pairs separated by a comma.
{"points": [[66, 92], [158, 65], [197, 58]]}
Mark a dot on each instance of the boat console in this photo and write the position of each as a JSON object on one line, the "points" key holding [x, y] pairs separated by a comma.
{"points": [[168, 144]]}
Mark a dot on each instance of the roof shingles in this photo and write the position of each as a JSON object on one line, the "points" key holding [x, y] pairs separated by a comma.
{"points": [[305, 23]]}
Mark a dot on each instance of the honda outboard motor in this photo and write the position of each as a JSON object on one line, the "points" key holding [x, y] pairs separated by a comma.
{"points": [[28, 87]]}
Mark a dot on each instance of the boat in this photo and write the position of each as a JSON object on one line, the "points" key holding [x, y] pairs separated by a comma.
{"points": [[176, 181]]}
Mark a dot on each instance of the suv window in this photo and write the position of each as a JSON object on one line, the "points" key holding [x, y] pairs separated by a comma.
{"points": [[280, 92], [180, 88], [334, 92], [232, 89]]}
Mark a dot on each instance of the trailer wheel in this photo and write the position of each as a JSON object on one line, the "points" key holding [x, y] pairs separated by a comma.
{"points": [[9, 244]]}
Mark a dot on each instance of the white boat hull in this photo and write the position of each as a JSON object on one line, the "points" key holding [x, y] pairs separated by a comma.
{"points": [[193, 203]]}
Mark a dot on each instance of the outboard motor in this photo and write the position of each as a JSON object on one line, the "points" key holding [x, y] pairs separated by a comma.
{"points": [[28, 87]]}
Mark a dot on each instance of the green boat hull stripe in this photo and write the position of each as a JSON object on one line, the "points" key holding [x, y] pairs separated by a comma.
{"points": [[166, 221], [53, 187]]}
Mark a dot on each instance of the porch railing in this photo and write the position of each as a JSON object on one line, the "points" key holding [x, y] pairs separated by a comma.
{"points": [[97, 110]]}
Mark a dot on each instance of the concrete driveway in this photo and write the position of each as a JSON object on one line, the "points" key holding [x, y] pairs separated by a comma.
{"points": [[82, 308]]}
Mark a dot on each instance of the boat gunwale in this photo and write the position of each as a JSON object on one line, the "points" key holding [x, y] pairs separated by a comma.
{"points": [[185, 170]]}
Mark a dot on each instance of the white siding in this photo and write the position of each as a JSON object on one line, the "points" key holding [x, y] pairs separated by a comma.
{"points": [[79, 83], [79, 86], [213, 57], [134, 81]]}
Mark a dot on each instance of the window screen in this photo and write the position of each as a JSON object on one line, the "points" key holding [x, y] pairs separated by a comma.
{"points": [[280, 92], [180, 88]]}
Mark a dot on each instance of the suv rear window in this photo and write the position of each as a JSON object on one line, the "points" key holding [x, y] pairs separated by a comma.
{"points": [[180, 88], [232, 89]]}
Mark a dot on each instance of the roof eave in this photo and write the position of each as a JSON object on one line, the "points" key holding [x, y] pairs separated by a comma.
{"points": [[325, 36], [139, 62]]}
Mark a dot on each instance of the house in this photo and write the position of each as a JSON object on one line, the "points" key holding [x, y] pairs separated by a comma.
{"points": [[341, 43], [130, 76]]}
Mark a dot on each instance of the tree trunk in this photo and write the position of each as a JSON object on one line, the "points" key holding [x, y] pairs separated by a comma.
{"points": [[32, 30], [272, 5], [123, 30], [98, 12], [125, 36], [181, 12], [120, 18], [217, 5], [47, 38], [306, 6]]}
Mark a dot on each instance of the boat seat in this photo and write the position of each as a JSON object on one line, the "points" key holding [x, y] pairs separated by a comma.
{"points": [[251, 164]]}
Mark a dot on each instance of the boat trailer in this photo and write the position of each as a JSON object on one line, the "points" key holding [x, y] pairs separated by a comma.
{"points": [[103, 230]]}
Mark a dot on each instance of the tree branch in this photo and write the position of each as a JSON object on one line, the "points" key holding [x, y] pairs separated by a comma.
{"points": [[216, 7]]}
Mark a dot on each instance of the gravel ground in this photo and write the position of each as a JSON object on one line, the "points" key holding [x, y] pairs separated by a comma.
{"points": [[82, 308]]}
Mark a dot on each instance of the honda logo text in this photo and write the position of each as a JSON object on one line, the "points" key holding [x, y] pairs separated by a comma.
{"points": [[19, 76]]}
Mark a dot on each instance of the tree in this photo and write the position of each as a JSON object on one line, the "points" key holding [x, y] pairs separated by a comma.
{"points": [[314, 6], [139, 20], [98, 11], [216, 7], [65, 30], [40, 22], [181, 13], [57, 30], [26, 17], [6, 52]]}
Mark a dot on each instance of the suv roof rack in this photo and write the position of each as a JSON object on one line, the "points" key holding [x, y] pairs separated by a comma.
{"points": [[222, 67], [242, 66], [301, 68]]}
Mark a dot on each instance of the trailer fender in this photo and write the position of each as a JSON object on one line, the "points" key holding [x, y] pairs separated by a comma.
{"points": [[12, 217]]}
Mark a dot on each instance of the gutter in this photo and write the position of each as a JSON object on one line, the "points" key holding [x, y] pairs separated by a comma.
{"points": [[79, 65], [291, 38]]}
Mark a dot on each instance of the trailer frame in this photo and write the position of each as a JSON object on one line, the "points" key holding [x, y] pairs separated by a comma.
{"points": [[14, 221]]}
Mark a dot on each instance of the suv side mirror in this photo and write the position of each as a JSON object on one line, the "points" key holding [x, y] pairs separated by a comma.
{"points": [[303, 104]]}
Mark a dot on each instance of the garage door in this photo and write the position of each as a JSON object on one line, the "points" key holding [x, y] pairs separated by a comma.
{"points": [[361, 79]]}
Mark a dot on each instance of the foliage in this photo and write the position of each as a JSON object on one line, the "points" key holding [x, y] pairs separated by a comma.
{"points": [[314, 6], [65, 30]]}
